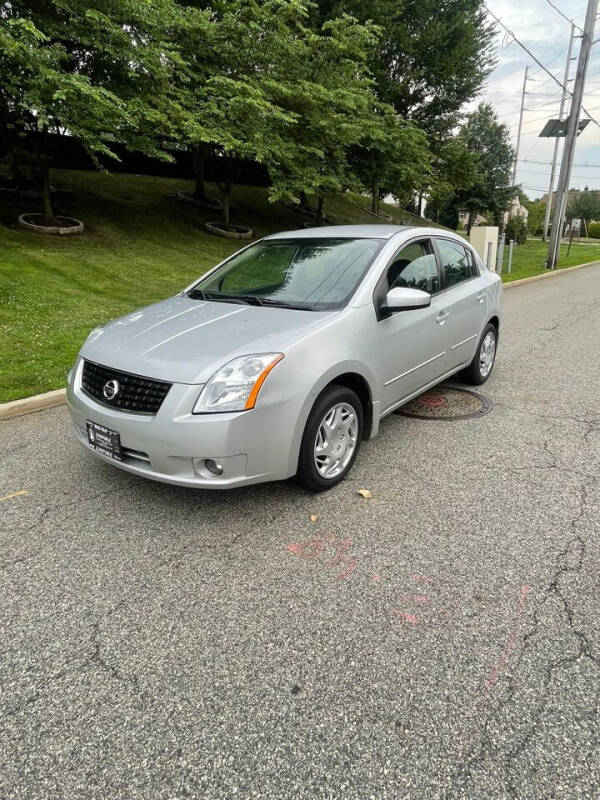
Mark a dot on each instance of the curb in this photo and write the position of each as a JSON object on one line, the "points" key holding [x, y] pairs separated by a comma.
{"points": [[39, 402], [30, 404], [550, 274]]}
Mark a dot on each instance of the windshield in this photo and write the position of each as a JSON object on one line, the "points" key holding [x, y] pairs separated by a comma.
{"points": [[315, 274]]}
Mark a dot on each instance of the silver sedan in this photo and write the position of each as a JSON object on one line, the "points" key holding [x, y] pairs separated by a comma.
{"points": [[283, 358]]}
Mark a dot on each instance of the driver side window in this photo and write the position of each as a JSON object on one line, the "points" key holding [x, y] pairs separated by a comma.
{"points": [[414, 267]]}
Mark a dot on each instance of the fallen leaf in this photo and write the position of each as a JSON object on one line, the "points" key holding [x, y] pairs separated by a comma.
{"points": [[365, 493], [20, 493], [314, 517]]}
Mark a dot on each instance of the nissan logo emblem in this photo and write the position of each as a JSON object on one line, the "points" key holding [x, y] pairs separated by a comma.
{"points": [[111, 389]]}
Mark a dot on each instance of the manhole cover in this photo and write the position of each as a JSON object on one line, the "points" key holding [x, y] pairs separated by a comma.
{"points": [[446, 402]]}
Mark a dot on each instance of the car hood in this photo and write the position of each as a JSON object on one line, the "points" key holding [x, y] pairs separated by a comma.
{"points": [[182, 340]]}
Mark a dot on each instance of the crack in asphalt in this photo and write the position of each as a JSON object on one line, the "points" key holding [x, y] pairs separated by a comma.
{"points": [[79, 503], [95, 659], [569, 560]]}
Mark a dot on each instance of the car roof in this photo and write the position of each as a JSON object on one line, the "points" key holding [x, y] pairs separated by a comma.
{"points": [[343, 232]]}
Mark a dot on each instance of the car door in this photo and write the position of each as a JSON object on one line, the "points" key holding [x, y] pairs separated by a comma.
{"points": [[414, 342], [465, 298]]}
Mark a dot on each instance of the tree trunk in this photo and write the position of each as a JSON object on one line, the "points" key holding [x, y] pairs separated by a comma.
{"points": [[46, 193], [198, 162], [375, 198], [226, 189], [320, 204], [469, 223], [303, 201], [225, 205]]}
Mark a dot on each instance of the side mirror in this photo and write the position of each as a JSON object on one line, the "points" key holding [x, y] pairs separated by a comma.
{"points": [[403, 298]]}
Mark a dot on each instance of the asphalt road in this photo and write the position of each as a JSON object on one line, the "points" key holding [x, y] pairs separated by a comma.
{"points": [[439, 640]]}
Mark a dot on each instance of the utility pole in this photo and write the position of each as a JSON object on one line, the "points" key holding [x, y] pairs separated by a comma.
{"points": [[566, 165], [514, 175], [557, 140]]}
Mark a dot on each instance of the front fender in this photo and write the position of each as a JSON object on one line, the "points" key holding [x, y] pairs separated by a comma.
{"points": [[326, 378]]}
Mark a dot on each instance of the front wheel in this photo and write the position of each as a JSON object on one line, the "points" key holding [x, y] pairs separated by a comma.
{"points": [[480, 369], [331, 439]]}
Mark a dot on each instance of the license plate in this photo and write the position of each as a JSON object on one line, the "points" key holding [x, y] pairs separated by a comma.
{"points": [[104, 441]]}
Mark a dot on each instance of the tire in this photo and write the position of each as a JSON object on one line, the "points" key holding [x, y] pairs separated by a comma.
{"points": [[478, 372], [343, 447]]}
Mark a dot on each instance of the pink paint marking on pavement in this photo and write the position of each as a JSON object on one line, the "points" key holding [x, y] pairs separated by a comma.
{"points": [[424, 579], [309, 549], [350, 567], [507, 650], [423, 599], [404, 617], [448, 594], [341, 554]]}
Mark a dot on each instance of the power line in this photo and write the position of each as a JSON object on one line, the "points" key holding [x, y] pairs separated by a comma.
{"points": [[533, 161], [552, 60], [537, 61], [564, 16]]}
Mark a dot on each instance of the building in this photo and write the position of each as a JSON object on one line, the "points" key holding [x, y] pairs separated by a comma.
{"points": [[516, 209], [463, 218]]}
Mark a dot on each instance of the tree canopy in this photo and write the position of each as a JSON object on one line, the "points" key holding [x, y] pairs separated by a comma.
{"points": [[328, 96], [95, 69], [488, 141]]}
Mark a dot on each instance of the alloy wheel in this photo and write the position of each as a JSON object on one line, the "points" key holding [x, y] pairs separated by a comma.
{"points": [[487, 354], [335, 441]]}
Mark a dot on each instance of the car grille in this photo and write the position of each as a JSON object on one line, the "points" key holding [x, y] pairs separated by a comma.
{"points": [[134, 394]]}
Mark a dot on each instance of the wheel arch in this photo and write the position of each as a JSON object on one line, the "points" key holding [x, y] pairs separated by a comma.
{"points": [[359, 384], [353, 376]]}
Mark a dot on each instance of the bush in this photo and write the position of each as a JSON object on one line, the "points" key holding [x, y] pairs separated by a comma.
{"points": [[594, 230], [516, 229]]}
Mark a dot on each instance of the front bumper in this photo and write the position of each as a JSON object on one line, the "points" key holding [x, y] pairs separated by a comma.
{"points": [[172, 445]]}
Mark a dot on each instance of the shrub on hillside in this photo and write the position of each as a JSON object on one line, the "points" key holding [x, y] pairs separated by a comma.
{"points": [[593, 230], [516, 229]]}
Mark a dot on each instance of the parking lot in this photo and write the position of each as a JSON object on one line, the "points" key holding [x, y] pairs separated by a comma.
{"points": [[438, 640]]}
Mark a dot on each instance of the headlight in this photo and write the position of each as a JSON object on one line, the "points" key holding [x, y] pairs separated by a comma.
{"points": [[235, 386]]}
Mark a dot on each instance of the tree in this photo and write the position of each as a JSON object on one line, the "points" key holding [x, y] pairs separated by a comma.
{"points": [[266, 86], [489, 142], [455, 166], [95, 69], [432, 57], [233, 93], [585, 205], [393, 157], [536, 210], [332, 98]]}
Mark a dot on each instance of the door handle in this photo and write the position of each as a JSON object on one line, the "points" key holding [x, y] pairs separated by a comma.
{"points": [[442, 317], [481, 297]]}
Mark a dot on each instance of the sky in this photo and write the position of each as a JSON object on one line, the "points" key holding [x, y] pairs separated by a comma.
{"points": [[546, 34]]}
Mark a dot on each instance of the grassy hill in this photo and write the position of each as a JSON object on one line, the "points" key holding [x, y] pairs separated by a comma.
{"points": [[141, 244]]}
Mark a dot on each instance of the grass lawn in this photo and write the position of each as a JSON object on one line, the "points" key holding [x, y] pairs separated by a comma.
{"points": [[528, 258], [141, 244]]}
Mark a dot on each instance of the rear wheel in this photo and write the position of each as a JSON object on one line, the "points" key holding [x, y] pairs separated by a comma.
{"points": [[331, 439], [480, 369]]}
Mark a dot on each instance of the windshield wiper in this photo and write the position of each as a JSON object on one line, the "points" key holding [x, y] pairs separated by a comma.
{"points": [[247, 299], [200, 294], [268, 301]]}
